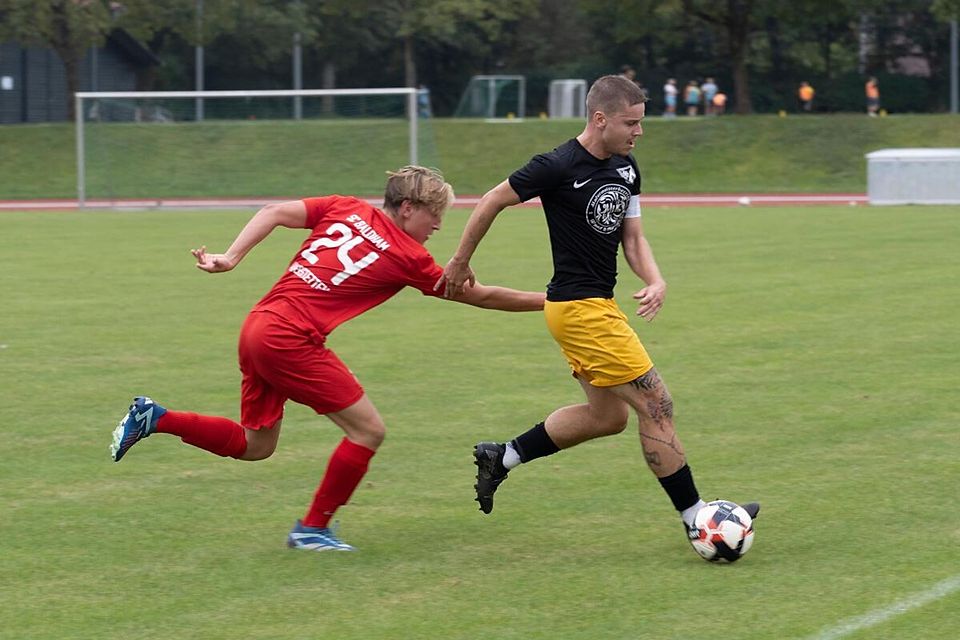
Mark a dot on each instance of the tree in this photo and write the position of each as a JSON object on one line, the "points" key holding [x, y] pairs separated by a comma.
{"points": [[68, 27], [342, 37], [946, 10], [437, 23], [823, 24], [645, 33], [735, 20], [908, 46], [246, 33]]}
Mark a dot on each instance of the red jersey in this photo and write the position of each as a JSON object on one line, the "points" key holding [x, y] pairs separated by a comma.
{"points": [[355, 258]]}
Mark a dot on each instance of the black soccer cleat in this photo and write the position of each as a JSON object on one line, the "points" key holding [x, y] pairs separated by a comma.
{"points": [[752, 509], [490, 472]]}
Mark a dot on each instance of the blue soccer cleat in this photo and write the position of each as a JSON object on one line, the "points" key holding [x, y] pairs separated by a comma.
{"points": [[140, 422], [315, 539]]}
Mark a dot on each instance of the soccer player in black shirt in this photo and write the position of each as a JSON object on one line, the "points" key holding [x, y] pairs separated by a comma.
{"points": [[589, 188]]}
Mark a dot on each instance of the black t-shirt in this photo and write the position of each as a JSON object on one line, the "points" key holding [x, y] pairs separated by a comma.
{"points": [[584, 199]]}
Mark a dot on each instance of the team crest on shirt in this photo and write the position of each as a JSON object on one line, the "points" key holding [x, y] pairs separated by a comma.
{"points": [[628, 174], [607, 206]]}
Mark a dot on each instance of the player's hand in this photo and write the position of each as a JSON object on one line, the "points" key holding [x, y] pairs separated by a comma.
{"points": [[651, 300], [212, 262], [455, 275]]}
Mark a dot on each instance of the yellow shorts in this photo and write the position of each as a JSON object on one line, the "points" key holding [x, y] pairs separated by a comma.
{"points": [[598, 342]]}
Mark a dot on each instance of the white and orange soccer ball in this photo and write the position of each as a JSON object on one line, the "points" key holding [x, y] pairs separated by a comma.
{"points": [[725, 531]]}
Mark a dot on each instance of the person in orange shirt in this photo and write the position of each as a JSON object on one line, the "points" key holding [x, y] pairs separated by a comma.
{"points": [[872, 90], [719, 103], [805, 95]]}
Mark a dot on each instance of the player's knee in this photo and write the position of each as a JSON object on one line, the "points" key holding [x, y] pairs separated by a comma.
{"points": [[260, 443], [616, 426], [380, 435], [373, 434], [613, 422], [258, 450]]}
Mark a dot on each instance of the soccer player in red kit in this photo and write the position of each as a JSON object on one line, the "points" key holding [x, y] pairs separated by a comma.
{"points": [[356, 257]]}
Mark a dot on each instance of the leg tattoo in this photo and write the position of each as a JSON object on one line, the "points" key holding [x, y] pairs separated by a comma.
{"points": [[647, 381], [653, 457], [657, 435]]}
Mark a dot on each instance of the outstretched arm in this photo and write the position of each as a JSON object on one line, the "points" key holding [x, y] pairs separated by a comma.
{"points": [[287, 214], [501, 298], [458, 271], [639, 256]]}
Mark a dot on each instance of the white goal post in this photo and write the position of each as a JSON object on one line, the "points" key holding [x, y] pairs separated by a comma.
{"points": [[121, 139], [494, 97]]}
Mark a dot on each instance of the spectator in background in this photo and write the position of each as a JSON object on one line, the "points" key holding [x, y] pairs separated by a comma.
{"points": [[719, 103], [805, 96], [630, 74], [670, 92], [423, 102], [691, 98], [872, 91], [709, 89]]}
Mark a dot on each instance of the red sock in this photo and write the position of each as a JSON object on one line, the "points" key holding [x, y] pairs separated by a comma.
{"points": [[346, 468], [221, 436]]}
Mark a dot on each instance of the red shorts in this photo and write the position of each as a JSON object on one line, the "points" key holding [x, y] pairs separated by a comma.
{"points": [[281, 361]]}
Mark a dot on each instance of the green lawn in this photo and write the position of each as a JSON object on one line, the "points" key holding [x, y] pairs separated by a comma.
{"points": [[813, 153], [811, 352]]}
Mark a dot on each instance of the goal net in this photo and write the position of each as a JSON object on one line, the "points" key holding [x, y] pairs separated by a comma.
{"points": [[168, 146], [493, 97]]}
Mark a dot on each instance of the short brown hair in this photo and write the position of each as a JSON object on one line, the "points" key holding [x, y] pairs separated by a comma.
{"points": [[610, 94], [419, 186]]}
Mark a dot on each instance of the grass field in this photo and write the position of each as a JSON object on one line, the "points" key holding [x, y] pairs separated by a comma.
{"points": [[813, 153], [811, 352]]}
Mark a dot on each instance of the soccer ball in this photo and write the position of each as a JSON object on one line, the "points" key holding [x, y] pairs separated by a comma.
{"points": [[725, 531]]}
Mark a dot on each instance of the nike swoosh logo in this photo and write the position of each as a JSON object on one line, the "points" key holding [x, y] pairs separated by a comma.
{"points": [[577, 184]]}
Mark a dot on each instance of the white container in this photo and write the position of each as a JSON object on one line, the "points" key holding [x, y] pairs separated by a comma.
{"points": [[568, 98], [913, 176]]}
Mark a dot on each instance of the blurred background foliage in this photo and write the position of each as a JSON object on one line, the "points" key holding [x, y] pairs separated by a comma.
{"points": [[758, 50]]}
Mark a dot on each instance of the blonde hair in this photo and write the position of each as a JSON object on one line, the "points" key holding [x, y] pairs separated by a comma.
{"points": [[610, 94], [419, 186]]}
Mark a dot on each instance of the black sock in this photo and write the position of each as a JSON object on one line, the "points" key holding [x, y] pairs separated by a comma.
{"points": [[679, 486], [533, 444]]}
